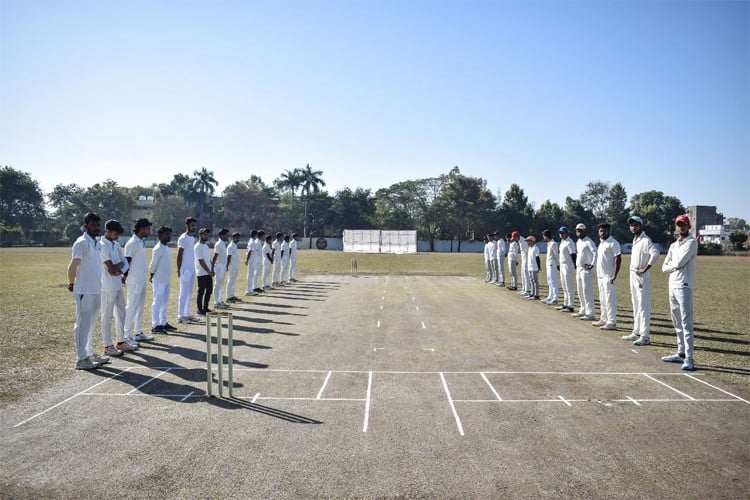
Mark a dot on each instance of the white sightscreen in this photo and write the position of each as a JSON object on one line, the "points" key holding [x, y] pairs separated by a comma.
{"points": [[377, 241]]}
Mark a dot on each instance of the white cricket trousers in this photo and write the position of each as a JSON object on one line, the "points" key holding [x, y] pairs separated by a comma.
{"points": [[552, 284], [640, 294], [250, 276], [292, 267], [513, 266], [585, 282], [159, 304], [219, 274], [134, 309], [232, 279], [494, 271], [607, 301], [257, 272], [276, 270], [567, 281], [525, 285], [266, 273], [284, 269], [501, 270], [681, 307], [187, 284], [487, 270], [87, 311], [113, 304]]}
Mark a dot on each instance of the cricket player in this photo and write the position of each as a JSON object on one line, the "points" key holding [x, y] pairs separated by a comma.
{"points": [[643, 257], [514, 250], [585, 263], [186, 270], [203, 270], [233, 259], [285, 260], [85, 282], [487, 265], [493, 259], [135, 281], [276, 254], [534, 266], [293, 257], [258, 262], [220, 265], [113, 295], [525, 285], [567, 270], [251, 255], [680, 264], [501, 253], [267, 262], [552, 263], [160, 273], [608, 260]]}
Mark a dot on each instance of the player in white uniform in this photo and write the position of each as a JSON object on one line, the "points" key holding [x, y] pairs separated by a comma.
{"points": [[233, 258], [493, 259], [251, 287], [500, 256], [567, 270], [293, 257], [487, 260], [267, 252], [113, 295], [276, 254], [585, 263], [285, 260], [258, 262], [135, 281], [186, 270], [525, 286], [160, 271], [608, 260], [680, 264], [552, 263], [534, 265], [514, 250], [642, 258], [220, 264], [85, 282]]}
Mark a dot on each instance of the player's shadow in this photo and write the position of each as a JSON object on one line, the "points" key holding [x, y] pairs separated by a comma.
{"points": [[263, 331], [147, 360], [305, 297], [235, 403], [237, 342], [723, 369]]}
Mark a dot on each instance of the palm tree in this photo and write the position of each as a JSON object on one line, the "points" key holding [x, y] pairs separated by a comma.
{"points": [[203, 184], [291, 179], [311, 180]]}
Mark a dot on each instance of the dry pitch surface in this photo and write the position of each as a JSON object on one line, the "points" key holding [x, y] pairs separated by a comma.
{"points": [[385, 386]]}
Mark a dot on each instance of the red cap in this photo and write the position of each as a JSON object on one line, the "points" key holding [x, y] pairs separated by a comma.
{"points": [[682, 219], [515, 235]]}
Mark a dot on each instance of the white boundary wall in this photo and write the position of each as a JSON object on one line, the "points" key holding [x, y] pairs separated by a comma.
{"points": [[377, 241]]}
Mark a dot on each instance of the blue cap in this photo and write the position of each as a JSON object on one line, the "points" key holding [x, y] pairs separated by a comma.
{"points": [[635, 218], [563, 229]]}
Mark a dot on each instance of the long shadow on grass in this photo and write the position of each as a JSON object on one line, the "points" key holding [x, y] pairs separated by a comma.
{"points": [[237, 342], [723, 369], [235, 404]]}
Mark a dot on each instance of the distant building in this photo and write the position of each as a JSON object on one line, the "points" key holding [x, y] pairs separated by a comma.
{"points": [[714, 233], [704, 216], [144, 208]]}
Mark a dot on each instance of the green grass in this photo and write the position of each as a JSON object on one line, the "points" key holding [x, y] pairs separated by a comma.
{"points": [[37, 312]]}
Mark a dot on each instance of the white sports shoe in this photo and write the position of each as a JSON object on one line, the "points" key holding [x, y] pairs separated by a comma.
{"points": [[632, 336]]}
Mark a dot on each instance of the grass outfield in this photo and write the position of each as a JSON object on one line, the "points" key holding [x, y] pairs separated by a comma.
{"points": [[37, 313]]}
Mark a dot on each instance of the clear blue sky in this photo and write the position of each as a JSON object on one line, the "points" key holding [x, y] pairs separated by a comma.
{"points": [[547, 94]]}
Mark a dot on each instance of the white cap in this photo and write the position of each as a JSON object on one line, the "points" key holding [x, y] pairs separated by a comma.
{"points": [[580, 225]]}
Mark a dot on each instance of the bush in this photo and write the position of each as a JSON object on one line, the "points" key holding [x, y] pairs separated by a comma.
{"points": [[709, 249]]}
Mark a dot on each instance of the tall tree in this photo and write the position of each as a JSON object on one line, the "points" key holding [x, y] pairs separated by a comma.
{"points": [[352, 209], [658, 212], [596, 199], [516, 210], [549, 215], [21, 200], [312, 181], [617, 214], [172, 210], [203, 184], [469, 205], [575, 213], [248, 205]]}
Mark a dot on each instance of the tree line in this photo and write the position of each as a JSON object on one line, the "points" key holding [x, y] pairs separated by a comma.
{"points": [[449, 206]]}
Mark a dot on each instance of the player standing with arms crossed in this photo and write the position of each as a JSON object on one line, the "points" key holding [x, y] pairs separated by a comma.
{"points": [[585, 262], [135, 281]]}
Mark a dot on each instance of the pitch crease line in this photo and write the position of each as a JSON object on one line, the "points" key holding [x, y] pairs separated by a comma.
{"points": [[325, 383], [367, 404], [717, 388], [669, 386], [491, 388], [150, 380], [73, 396], [453, 406]]}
